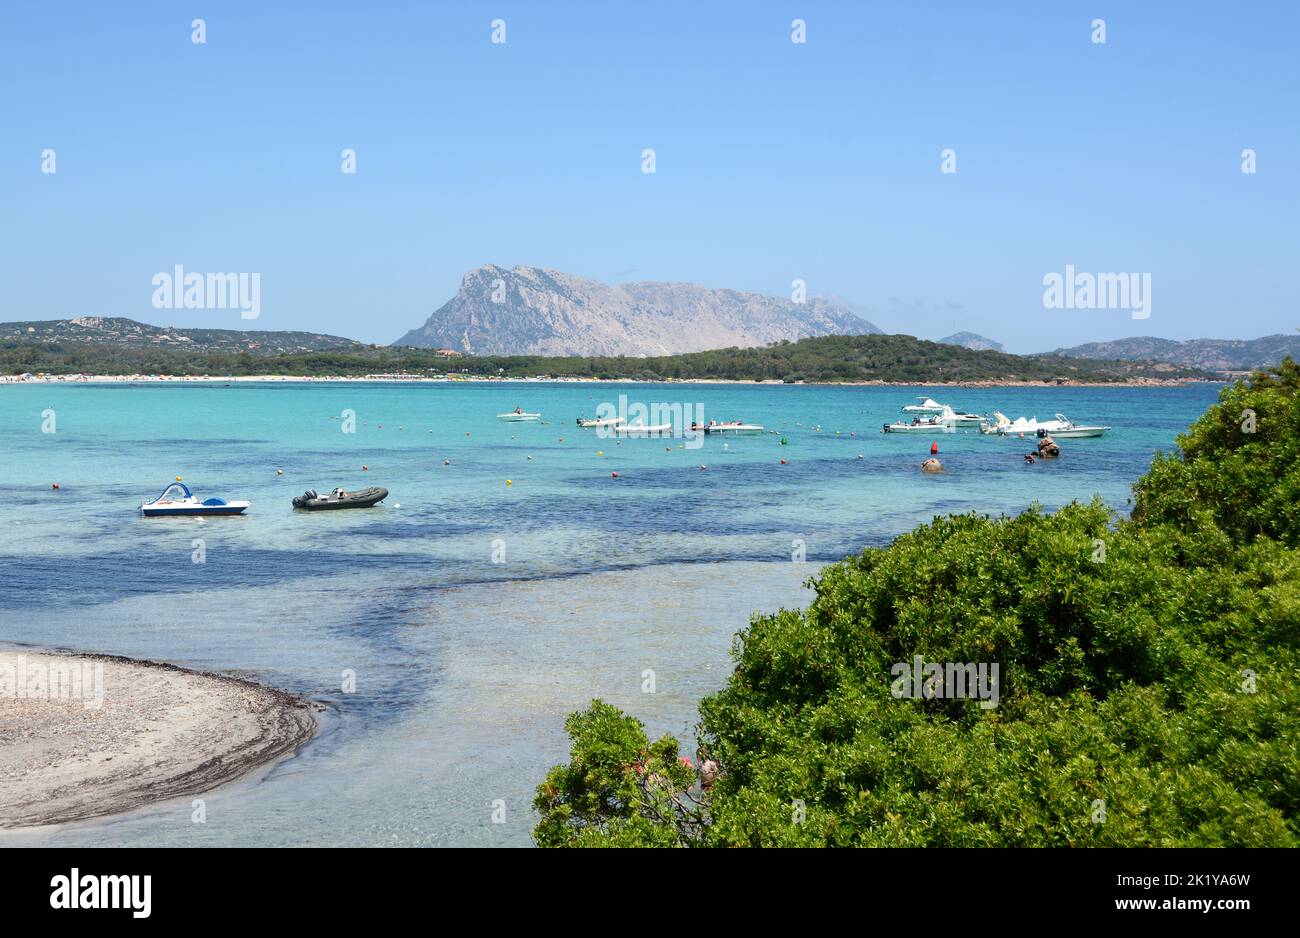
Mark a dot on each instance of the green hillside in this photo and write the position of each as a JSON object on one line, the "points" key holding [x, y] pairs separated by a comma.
{"points": [[898, 358]]}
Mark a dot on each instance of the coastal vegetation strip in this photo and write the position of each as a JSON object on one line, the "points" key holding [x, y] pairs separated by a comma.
{"points": [[83, 736], [1066, 679], [829, 359]]}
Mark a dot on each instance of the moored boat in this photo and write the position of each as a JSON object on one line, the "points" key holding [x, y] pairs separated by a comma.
{"points": [[919, 425], [586, 424], [946, 421], [957, 419], [1061, 426], [178, 501], [519, 415], [732, 427], [641, 429], [339, 498], [928, 405], [1073, 432]]}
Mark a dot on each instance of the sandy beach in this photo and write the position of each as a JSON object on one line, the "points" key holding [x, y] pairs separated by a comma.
{"points": [[83, 736]]}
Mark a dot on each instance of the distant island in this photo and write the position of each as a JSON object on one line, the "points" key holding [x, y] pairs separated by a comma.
{"points": [[120, 332], [972, 340], [1231, 355], [828, 359], [532, 311]]}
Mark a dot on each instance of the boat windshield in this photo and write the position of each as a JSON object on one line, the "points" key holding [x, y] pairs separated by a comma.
{"points": [[174, 493]]}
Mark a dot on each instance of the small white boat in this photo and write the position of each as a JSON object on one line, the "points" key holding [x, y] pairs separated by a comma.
{"points": [[962, 420], [586, 424], [928, 405], [734, 427], [1067, 430], [177, 500], [1001, 425], [946, 421], [1022, 427], [641, 429], [919, 425], [519, 415]]}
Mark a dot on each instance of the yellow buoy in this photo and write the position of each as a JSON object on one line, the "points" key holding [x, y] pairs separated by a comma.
{"points": [[600, 452], [508, 482], [178, 478]]}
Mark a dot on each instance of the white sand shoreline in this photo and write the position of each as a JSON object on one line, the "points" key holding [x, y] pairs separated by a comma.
{"points": [[88, 735]]}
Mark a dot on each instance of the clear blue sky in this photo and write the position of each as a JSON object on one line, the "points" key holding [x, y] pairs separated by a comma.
{"points": [[774, 160]]}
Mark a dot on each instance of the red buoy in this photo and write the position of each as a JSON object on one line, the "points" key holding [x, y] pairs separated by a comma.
{"points": [[934, 449], [613, 475]]}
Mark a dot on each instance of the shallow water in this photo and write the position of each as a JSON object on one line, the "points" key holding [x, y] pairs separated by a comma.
{"points": [[465, 667]]}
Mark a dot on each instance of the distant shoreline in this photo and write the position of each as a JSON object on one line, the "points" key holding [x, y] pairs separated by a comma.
{"points": [[477, 379]]}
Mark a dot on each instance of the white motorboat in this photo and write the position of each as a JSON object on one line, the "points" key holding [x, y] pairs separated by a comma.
{"points": [[1001, 425], [955, 419], [177, 500], [1068, 430], [1061, 426], [946, 421], [519, 415], [928, 405], [933, 424], [732, 427], [586, 424]]}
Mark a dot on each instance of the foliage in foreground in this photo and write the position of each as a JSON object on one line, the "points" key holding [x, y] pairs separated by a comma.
{"points": [[1149, 687]]}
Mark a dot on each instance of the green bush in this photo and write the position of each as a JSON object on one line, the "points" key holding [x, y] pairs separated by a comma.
{"points": [[1147, 691]]}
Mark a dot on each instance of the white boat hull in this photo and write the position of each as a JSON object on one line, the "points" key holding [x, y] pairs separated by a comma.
{"points": [[1077, 433], [637, 429], [746, 429], [191, 510], [918, 428], [517, 418]]}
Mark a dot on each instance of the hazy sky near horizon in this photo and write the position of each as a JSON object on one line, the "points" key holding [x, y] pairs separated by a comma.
{"points": [[774, 160]]}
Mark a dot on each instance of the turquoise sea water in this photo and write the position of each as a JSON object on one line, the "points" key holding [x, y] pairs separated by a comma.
{"points": [[474, 614]]}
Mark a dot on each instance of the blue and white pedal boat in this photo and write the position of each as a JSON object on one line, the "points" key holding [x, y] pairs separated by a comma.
{"points": [[178, 500]]}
